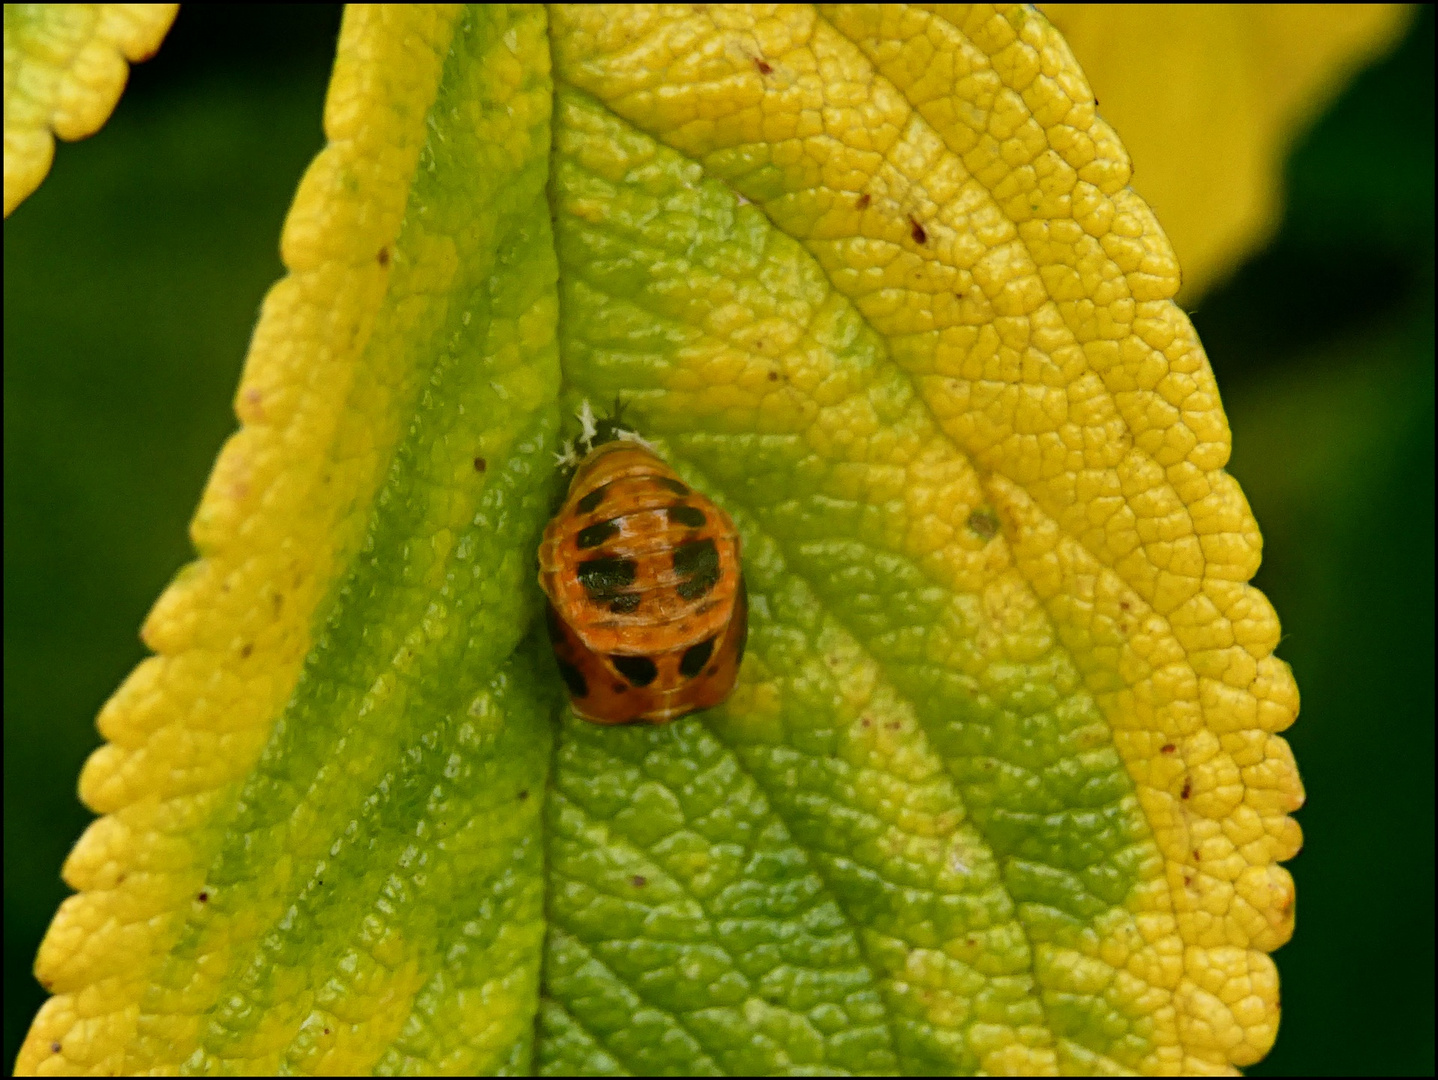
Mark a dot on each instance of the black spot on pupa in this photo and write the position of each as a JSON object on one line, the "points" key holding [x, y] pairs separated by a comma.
{"points": [[696, 557], [246, 650], [573, 678], [54, 1048], [683, 514], [673, 485], [773, 376], [917, 231], [523, 795], [639, 670], [603, 578], [698, 563], [383, 256], [624, 603], [480, 464], [204, 896], [695, 587], [695, 657], [593, 499], [596, 534]]}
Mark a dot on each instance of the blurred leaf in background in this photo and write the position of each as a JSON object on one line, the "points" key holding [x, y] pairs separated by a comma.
{"points": [[132, 280], [1209, 99], [65, 68], [1323, 349]]}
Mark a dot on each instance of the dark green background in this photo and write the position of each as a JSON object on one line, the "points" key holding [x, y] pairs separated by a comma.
{"points": [[133, 277]]}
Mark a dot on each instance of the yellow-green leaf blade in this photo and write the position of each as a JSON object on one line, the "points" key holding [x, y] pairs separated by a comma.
{"points": [[338, 735], [998, 790], [950, 181], [65, 65]]}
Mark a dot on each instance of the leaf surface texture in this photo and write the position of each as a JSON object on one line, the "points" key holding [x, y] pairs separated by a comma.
{"points": [[1000, 789]]}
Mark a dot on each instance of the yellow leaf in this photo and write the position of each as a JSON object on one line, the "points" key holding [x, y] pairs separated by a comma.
{"points": [[137, 959], [1000, 789], [65, 65], [950, 176], [1208, 99]]}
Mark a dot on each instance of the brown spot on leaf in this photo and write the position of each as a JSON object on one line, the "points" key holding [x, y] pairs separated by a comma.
{"points": [[1167, 748], [480, 464], [1187, 789], [917, 231], [246, 649], [383, 256], [204, 896], [864, 201], [984, 523], [765, 68], [639, 881]]}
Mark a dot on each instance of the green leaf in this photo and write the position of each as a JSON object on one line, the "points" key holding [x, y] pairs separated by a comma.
{"points": [[999, 789]]}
